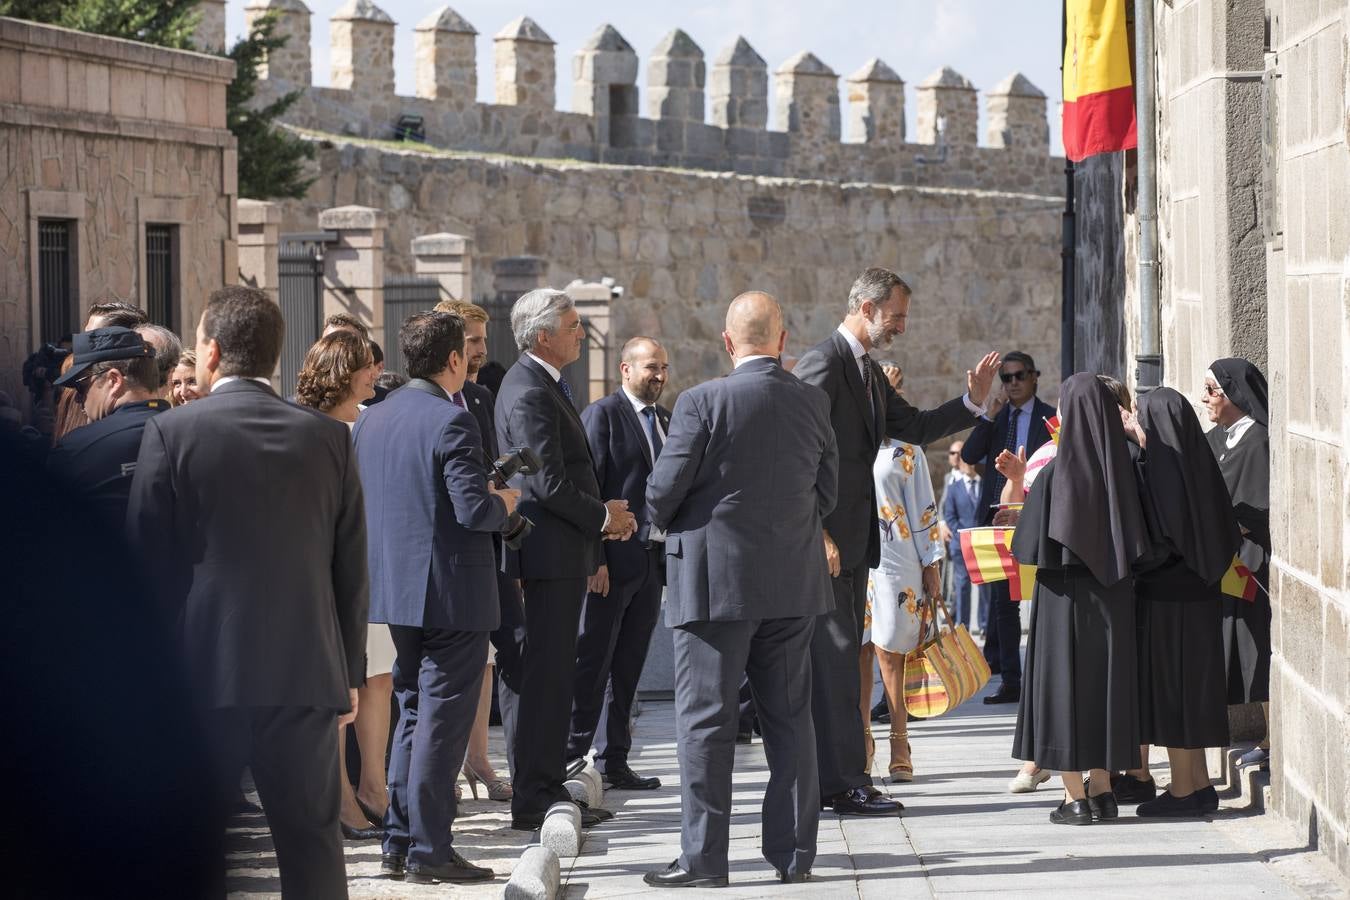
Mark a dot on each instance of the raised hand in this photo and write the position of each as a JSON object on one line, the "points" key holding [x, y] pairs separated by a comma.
{"points": [[979, 380], [1013, 468]]}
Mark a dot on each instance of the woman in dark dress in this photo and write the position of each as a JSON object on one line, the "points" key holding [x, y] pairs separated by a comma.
{"points": [[1083, 528], [1235, 398], [1182, 680]]}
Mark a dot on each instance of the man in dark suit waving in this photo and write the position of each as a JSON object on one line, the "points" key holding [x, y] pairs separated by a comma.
{"points": [[432, 514], [250, 511], [534, 409], [626, 431], [864, 409], [1016, 420], [741, 487]]}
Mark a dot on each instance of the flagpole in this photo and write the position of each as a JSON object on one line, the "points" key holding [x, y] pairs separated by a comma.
{"points": [[1148, 361], [1068, 236]]}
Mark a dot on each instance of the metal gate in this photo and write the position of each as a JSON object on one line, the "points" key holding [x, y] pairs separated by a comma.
{"points": [[502, 347], [404, 296], [300, 292]]}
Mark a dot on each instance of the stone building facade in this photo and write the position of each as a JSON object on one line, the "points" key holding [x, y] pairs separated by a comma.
{"points": [[114, 160], [1254, 221]]}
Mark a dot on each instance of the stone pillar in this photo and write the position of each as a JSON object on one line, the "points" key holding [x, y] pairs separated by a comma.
{"points": [[447, 258], [362, 42], [516, 275], [259, 234], [604, 76], [526, 71], [675, 79], [876, 104], [740, 87], [1015, 116], [446, 57], [593, 300], [288, 64], [209, 36], [948, 96], [806, 95], [353, 265]]}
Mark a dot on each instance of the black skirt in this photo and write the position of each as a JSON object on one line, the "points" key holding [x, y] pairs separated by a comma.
{"points": [[1079, 707], [1183, 684], [1246, 644]]}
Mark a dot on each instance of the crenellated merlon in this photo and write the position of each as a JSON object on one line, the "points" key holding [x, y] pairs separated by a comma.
{"points": [[696, 114]]}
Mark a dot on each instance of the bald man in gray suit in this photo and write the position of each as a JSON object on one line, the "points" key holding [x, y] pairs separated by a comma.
{"points": [[747, 474]]}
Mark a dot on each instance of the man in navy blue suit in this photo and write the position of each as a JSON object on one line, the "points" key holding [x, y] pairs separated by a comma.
{"points": [[626, 431], [431, 514], [961, 509], [1015, 419]]}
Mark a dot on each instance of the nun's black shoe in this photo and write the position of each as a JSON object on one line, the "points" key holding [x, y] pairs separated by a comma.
{"points": [[1209, 798], [1074, 812], [1167, 806], [1130, 790]]}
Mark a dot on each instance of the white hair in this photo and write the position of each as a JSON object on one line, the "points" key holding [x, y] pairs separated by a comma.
{"points": [[534, 313]]}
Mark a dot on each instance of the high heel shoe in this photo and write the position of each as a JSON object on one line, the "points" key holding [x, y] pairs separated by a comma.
{"points": [[373, 833], [375, 819], [902, 765], [497, 788]]}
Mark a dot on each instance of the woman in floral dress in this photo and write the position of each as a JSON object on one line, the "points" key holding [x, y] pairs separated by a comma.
{"points": [[909, 573]]}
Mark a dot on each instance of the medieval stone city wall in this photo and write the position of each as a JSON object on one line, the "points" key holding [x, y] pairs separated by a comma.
{"points": [[111, 135]]}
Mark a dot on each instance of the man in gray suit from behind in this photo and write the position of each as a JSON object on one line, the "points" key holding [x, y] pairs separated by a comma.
{"points": [[747, 474]]}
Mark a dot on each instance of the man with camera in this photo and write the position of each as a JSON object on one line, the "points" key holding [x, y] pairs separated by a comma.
{"points": [[432, 512], [535, 409]]}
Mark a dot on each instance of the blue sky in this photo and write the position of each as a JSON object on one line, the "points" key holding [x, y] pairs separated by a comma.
{"points": [[984, 40]]}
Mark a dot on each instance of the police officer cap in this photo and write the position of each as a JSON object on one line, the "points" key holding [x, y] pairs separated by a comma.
{"points": [[101, 345]]}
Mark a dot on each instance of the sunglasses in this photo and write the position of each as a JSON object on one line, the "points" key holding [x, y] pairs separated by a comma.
{"points": [[1019, 375], [82, 384], [1212, 391]]}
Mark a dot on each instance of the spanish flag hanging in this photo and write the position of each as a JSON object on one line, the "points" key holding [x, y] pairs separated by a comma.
{"points": [[1098, 83]]}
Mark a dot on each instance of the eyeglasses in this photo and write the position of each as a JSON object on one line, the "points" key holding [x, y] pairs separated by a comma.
{"points": [[953, 452], [82, 384], [1019, 375], [1213, 391]]}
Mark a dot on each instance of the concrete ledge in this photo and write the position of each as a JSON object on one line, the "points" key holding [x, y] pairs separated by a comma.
{"points": [[537, 876], [587, 787], [561, 831]]}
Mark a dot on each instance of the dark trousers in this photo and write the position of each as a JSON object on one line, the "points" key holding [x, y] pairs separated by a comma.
{"points": [[961, 594], [437, 676], [552, 613], [746, 725], [710, 659], [509, 642], [611, 649], [982, 603], [1003, 638], [840, 751], [293, 753]]}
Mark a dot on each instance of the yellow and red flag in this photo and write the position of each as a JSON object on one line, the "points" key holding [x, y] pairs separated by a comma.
{"points": [[1239, 581], [1052, 426], [988, 555], [1098, 83]]}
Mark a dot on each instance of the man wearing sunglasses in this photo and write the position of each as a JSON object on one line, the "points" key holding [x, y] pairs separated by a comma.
{"points": [[115, 379], [1015, 419]]}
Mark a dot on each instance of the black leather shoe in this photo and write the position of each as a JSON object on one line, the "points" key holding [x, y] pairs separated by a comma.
{"points": [[1076, 812], [392, 865], [373, 833], [625, 779], [535, 821], [458, 869], [797, 878], [745, 737], [1130, 790], [881, 713], [674, 876], [1006, 693], [1104, 806], [1209, 799], [865, 801], [1167, 806]]}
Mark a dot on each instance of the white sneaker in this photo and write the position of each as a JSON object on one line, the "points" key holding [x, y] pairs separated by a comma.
{"points": [[1025, 784]]}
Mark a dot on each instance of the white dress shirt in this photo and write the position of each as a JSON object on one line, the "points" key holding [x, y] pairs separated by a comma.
{"points": [[745, 359], [638, 407], [858, 350], [228, 378], [548, 367]]}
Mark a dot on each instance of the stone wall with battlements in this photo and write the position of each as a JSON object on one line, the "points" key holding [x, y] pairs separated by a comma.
{"points": [[698, 114]]}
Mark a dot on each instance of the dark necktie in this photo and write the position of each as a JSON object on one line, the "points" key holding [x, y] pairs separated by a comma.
{"points": [[566, 389], [1009, 444], [458, 399], [867, 387], [649, 412]]}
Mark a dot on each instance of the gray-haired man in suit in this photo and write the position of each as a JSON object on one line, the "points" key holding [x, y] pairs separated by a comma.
{"points": [[746, 475]]}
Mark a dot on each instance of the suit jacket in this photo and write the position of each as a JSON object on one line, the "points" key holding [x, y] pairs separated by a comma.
{"points": [[830, 366], [748, 471], [563, 498], [960, 510], [623, 462], [430, 516], [251, 510], [482, 404], [986, 442]]}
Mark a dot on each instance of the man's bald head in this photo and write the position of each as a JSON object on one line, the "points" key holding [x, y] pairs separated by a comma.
{"points": [[754, 326]]}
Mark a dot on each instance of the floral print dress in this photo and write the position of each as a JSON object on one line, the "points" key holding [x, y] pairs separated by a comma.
{"points": [[908, 518]]}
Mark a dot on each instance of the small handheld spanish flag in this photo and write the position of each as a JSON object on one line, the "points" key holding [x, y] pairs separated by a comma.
{"points": [[1238, 581], [1052, 426], [988, 555]]}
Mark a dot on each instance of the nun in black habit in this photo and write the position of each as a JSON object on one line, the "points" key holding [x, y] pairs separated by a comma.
{"points": [[1236, 400], [1083, 528], [1182, 677]]}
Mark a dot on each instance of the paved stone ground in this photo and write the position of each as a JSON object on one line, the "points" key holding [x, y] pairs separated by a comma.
{"points": [[962, 833]]}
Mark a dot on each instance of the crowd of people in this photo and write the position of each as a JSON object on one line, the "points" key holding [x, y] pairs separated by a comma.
{"points": [[421, 542]]}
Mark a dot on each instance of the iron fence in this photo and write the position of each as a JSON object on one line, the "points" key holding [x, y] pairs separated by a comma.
{"points": [[404, 295]]}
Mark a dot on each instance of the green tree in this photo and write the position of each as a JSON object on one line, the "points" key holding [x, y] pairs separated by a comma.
{"points": [[271, 159]]}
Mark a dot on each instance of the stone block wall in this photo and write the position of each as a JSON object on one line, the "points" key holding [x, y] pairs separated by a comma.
{"points": [[112, 135], [607, 124]]}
